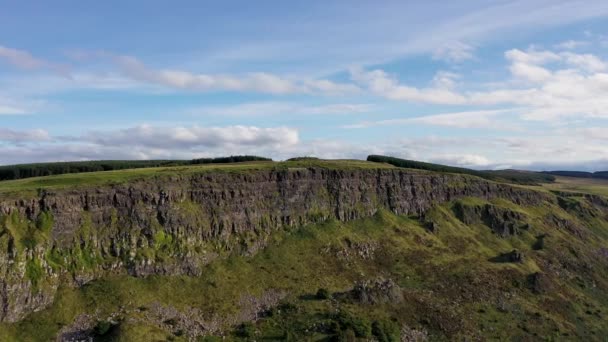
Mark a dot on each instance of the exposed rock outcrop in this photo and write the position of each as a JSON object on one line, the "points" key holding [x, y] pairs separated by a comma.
{"points": [[570, 226], [178, 224], [512, 256], [503, 222], [373, 292]]}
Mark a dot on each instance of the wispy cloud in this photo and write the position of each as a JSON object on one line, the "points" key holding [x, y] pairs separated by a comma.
{"points": [[10, 106], [25, 60], [20, 58], [551, 86], [381, 83], [193, 137], [252, 82], [454, 52], [10, 110], [282, 108], [15, 136], [469, 119], [571, 44]]}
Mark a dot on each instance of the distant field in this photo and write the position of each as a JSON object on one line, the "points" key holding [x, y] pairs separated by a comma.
{"points": [[505, 176], [122, 176], [587, 185]]}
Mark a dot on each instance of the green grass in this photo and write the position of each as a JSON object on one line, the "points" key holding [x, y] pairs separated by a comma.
{"points": [[583, 185], [451, 288], [508, 176], [32, 185]]}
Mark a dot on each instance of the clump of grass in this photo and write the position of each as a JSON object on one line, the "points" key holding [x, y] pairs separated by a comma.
{"points": [[323, 294], [34, 272]]}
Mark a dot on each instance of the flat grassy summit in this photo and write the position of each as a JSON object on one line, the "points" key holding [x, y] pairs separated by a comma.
{"points": [[302, 250], [97, 178]]}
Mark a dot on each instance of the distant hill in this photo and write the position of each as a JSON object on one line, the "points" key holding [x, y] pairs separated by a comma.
{"points": [[511, 176], [579, 174], [20, 171]]}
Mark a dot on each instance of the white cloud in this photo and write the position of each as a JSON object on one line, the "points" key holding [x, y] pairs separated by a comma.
{"points": [[24, 60], [545, 150], [21, 59], [10, 110], [454, 52], [530, 72], [548, 86], [571, 44], [469, 119], [281, 108], [526, 65], [464, 160], [531, 57], [146, 142], [13, 136], [445, 79], [10, 106], [254, 82], [193, 137], [380, 83], [585, 62]]}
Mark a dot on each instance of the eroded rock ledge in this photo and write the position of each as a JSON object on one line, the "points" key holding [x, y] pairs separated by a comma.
{"points": [[178, 224]]}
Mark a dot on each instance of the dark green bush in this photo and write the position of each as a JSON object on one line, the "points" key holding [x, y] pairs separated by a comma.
{"points": [[323, 294], [245, 330], [347, 335], [210, 339], [102, 328], [346, 321], [385, 331], [302, 158]]}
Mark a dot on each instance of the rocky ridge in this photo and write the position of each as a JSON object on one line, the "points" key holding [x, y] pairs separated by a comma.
{"points": [[178, 224]]}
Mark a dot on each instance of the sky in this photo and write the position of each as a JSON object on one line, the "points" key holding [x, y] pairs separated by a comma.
{"points": [[483, 84]]}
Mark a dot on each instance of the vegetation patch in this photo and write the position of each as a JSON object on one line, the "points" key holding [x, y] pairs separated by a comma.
{"points": [[10, 172], [379, 278], [510, 176], [34, 272]]}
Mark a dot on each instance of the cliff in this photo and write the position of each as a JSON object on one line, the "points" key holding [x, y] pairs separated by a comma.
{"points": [[179, 223]]}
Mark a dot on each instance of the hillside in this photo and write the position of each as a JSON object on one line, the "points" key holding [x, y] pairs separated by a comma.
{"points": [[510, 176], [300, 250], [579, 174]]}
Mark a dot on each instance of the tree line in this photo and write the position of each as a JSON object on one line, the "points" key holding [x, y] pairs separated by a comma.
{"points": [[512, 176], [579, 174], [20, 171]]}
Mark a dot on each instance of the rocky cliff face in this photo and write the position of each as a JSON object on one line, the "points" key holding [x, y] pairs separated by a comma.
{"points": [[178, 224]]}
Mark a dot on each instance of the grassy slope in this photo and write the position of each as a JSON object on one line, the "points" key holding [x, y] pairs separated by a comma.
{"points": [[451, 289], [31, 185], [584, 185], [508, 176]]}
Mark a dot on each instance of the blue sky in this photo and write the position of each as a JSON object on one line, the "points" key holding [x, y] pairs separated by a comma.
{"points": [[483, 84]]}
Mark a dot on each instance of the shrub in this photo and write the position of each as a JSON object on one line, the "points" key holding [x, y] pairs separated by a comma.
{"points": [[385, 331], [302, 158], [245, 330], [102, 328], [323, 294], [359, 326], [347, 335]]}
